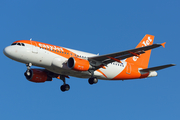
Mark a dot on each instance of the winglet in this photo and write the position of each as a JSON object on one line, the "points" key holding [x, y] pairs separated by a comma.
{"points": [[163, 44]]}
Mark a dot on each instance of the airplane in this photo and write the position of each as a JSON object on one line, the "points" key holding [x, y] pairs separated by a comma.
{"points": [[60, 62]]}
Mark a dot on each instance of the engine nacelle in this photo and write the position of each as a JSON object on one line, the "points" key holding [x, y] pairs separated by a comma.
{"points": [[37, 75], [78, 64]]}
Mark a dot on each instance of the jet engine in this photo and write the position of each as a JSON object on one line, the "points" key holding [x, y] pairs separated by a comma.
{"points": [[78, 64], [37, 75]]}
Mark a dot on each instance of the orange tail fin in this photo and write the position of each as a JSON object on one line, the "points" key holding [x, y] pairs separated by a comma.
{"points": [[143, 59]]}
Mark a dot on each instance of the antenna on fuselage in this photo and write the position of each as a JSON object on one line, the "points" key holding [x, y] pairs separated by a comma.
{"points": [[30, 39]]}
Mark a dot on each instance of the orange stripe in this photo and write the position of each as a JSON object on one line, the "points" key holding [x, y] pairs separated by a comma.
{"points": [[101, 73]]}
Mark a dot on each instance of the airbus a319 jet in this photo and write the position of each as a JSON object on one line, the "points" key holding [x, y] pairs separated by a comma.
{"points": [[60, 62]]}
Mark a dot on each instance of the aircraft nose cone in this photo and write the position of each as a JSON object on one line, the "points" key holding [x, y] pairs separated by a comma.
{"points": [[7, 51]]}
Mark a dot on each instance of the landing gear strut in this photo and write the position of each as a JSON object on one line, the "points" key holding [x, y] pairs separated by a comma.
{"points": [[92, 80], [28, 72], [64, 87]]}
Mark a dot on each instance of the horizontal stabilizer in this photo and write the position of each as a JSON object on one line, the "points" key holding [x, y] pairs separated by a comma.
{"points": [[157, 68]]}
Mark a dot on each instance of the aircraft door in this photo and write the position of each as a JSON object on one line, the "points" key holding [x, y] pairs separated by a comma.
{"points": [[128, 70], [34, 47]]}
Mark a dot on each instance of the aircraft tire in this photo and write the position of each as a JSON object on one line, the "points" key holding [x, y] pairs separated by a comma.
{"points": [[65, 87], [92, 80]]}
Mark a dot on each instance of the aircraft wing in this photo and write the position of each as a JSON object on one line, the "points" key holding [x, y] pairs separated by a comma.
{"points": [[108, 58], [157, 68]]}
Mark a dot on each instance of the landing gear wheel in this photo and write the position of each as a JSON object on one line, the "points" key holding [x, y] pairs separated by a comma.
{"points": [[92, 80], [65, 87], [95, 80], [28, 74]]}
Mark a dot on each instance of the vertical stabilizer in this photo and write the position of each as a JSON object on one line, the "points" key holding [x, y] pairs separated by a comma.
{"points": [[143, 59]]}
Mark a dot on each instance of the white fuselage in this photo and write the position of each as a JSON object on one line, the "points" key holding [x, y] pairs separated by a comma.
{"points": [[57, 63]]}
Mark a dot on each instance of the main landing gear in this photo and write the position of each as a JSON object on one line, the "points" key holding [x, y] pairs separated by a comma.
{"points": [[64, 87], [92, 80]]}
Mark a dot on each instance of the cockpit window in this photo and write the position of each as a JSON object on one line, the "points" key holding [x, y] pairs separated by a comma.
{"points": [[20, 44], [13, 44]]}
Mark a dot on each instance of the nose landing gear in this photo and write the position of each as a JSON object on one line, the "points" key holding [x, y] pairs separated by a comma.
{"points": [[64, 87], [28, 72]]}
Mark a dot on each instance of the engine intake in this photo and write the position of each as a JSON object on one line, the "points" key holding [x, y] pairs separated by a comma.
{"points": [[78, 64]]}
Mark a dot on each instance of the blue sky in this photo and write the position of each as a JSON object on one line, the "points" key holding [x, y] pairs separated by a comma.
{"points": [[96, 26]]}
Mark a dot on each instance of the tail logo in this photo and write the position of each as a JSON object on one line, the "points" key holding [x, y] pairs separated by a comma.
{"points": [[147, 42], [144, 43]]}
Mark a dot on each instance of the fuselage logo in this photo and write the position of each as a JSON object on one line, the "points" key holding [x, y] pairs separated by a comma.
{"points": [[51, 47]]}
